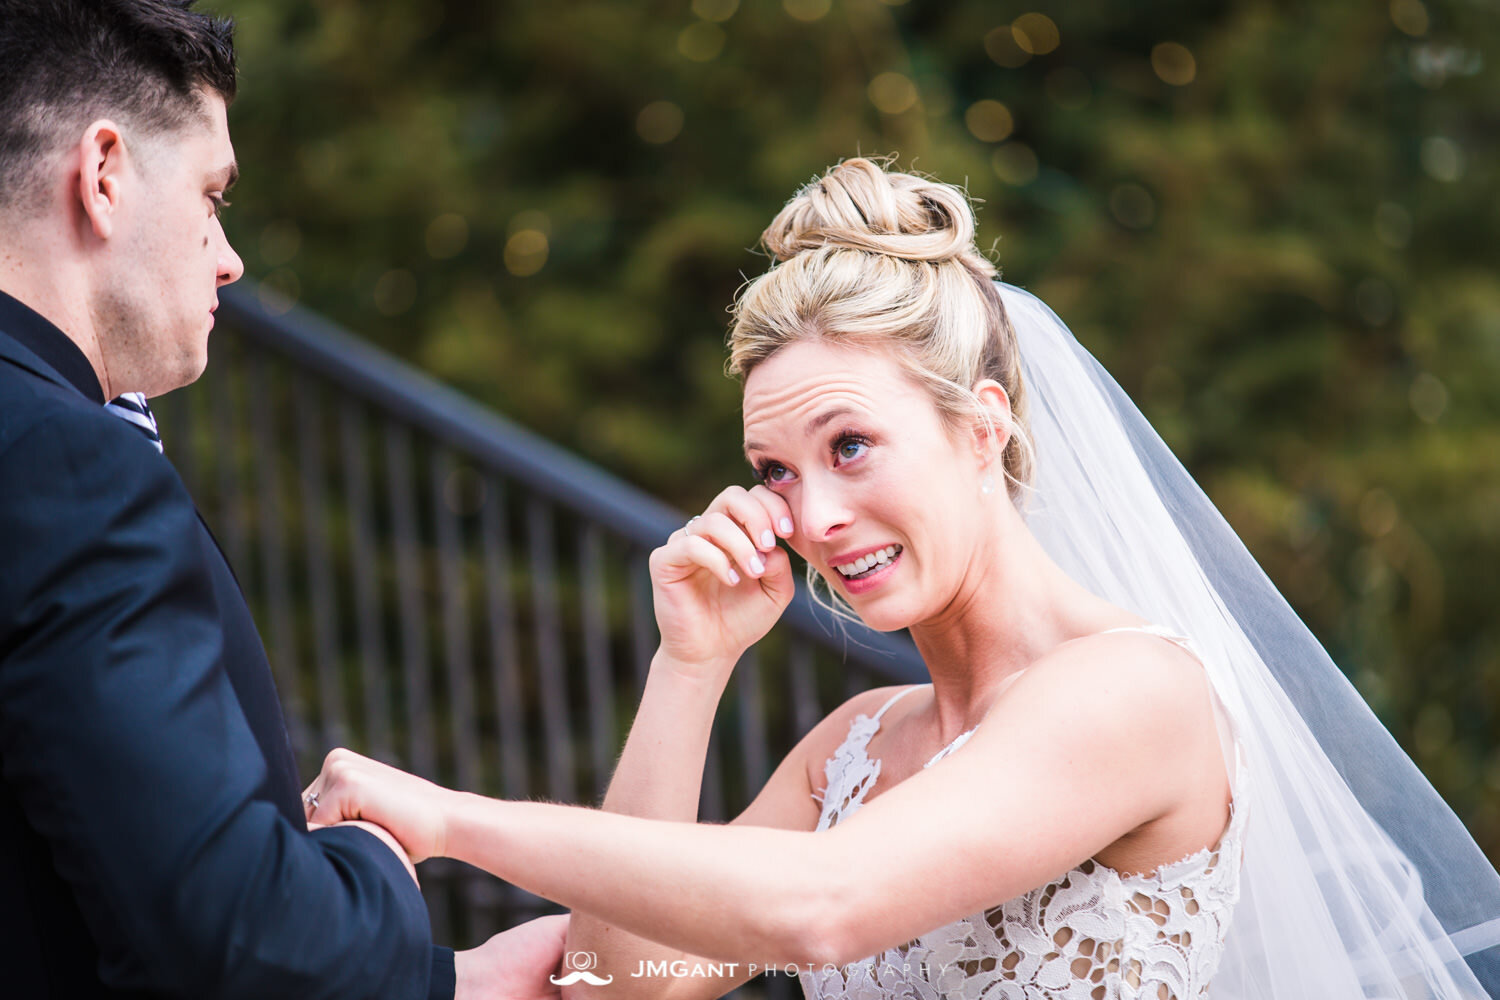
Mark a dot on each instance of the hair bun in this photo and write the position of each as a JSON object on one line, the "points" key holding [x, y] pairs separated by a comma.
{"points": [[859, 206]]}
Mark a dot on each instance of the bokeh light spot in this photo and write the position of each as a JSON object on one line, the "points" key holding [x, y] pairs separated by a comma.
{"points": [[701, 42], [715, 10], [1374, 301], [1000, 45], [279, 291], [1174, 63], [1132, 206], [1392, 224], [1378, 513], [1035, 34], [807, 10], [1410, 16], [1442, 159], [989, 121], [526, 252], [279, 242], [447, 235], [892, 93], [659, 122], [395, 292], [1015, 163], [1429, 397], [1433, 730]]}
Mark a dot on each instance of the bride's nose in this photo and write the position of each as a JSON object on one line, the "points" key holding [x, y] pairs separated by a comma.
{"points": [[823, 510]]}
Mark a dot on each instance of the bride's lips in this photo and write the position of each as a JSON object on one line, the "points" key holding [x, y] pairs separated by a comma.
{"points": [[876, 577]]}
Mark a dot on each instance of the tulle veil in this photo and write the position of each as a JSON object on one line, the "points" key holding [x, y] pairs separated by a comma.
{"points": [[1358, 880]]}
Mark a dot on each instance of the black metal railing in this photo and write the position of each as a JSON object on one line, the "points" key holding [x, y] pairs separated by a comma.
{"points": [[442, 589]]}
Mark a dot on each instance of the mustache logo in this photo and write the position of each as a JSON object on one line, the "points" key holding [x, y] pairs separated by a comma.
{"points": [[580, 976]]}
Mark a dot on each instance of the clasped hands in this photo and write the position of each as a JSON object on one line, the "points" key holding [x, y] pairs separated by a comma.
{"points": [[408, 814]]}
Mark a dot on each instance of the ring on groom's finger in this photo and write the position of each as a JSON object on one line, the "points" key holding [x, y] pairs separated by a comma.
{"points": [[311, 798]]}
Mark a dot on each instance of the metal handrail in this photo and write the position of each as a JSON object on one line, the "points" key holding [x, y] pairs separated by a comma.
{"points": [[361, 368]]}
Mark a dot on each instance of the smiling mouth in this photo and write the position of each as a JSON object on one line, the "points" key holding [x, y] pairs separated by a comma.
{"points": [[870, 564]]}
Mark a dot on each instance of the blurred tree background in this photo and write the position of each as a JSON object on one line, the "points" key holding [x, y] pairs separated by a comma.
{"points": [[1272, 222]]}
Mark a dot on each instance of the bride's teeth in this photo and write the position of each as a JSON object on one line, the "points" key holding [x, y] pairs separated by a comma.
{"points": [[882, 556]]}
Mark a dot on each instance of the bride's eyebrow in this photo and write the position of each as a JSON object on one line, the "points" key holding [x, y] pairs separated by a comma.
{"points": [[813, 426]]}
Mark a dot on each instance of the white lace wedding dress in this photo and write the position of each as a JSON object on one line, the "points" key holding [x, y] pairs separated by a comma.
{"points": [[1092, 934]]}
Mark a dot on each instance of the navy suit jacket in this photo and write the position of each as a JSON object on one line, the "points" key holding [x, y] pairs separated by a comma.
{"points": [[152, 840]]}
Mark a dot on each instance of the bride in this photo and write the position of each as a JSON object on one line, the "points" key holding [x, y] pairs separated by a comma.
{"points": [[1133, 774]]}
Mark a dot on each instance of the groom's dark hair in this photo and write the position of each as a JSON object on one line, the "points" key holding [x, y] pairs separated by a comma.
{"points": [[66, 63]]}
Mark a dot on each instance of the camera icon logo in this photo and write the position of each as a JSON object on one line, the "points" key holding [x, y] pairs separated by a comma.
{"points": [[579, 966]]}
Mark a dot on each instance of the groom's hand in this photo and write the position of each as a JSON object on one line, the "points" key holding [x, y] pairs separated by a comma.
{"points": [[517, 964]]}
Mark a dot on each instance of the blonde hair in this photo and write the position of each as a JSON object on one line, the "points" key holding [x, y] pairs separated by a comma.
{"points": [[887, 260]]}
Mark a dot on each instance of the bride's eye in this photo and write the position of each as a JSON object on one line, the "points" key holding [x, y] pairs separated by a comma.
{"points": [[849, 447], [771, 473]]}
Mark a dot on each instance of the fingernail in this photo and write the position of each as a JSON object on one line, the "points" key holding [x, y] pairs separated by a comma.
{"points": [[767, 539], [734, 577], [756, 566], [786, 526]]}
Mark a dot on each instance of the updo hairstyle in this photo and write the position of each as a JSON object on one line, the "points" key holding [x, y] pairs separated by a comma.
{"points": [[887, 260]]}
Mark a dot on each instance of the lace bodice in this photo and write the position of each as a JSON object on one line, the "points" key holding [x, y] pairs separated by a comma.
{"points": [[1092, 934]]}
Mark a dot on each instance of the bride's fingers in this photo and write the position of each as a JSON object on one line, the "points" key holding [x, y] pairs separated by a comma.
{"points": [[750, 513], [725, 532], [311, 796], [699, 551], [778, 512]]}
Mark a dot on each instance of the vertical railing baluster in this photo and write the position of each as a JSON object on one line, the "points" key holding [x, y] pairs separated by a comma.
{"points": [[505, 660], [643, 635], [458, 656], [596, 656], [174, 417], [806, 711], [752, 724], [561, 769], [375, 689], [410, 590], [232, 524], [711, 799], [855, 681], [458, 659], [274, 576], [320, 577]]}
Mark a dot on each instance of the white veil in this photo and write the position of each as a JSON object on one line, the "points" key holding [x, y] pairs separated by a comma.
{"points": [[1358, 880]]}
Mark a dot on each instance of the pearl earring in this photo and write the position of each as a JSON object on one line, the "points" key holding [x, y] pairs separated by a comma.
{"points": [[987, 485]]}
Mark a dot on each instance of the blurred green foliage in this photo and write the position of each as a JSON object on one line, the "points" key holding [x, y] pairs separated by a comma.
{"points": [[1273, 222]]}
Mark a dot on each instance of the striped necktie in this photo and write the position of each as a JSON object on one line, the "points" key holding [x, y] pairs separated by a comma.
{"points": [[131, 407]]}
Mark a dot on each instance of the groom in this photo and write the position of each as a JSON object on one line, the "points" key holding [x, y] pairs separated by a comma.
{"points": [[152, 841]]}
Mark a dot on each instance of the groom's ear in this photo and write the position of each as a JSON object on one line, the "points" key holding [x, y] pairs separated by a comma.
{"points": [[992, 424]]}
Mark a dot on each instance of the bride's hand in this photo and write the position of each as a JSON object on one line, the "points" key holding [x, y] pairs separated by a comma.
{"points": [[720, 581], [411, 809]]}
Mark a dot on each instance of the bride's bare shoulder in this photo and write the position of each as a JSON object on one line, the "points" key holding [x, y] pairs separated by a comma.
{"points": [[1126, 675]]}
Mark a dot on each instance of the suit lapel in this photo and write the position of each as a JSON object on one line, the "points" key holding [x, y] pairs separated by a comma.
{"points": [[25, 358]]}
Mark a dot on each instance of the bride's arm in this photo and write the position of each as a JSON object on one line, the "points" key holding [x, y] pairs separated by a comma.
{"points": [[660, 771], [1102, 737], [785, 802]]}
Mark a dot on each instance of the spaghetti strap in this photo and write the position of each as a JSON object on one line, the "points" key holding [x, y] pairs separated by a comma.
{"points": [[1161, 632], [895, 698]]}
